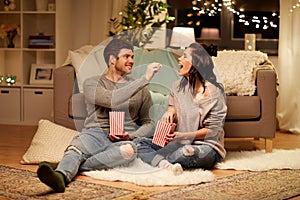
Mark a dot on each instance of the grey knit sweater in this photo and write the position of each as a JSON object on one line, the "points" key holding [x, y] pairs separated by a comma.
{"points": [[196, 113], [130, 96]]}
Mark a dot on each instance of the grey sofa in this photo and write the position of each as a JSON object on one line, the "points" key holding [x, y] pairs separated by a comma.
{"points": [[247, 117]]}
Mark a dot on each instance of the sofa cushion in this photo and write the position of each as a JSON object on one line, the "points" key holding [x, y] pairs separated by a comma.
{"points": [[243, 107], [77, 106]]}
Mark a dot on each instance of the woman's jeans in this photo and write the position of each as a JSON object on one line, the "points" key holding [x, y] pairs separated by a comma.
{"points": [[189, 156], [91, 150]]}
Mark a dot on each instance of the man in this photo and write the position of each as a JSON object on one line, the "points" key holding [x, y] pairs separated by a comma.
{"points": [[94, 148]]}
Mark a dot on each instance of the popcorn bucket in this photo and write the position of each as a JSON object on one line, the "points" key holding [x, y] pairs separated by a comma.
{"points": [[161, 130], [116, 121]]}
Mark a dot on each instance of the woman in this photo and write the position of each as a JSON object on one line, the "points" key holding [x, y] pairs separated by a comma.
{"points": [[197, 106]]}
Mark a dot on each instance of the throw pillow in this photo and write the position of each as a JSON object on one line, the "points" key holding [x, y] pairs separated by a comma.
{"points": [[88, 61], [48, 143]]}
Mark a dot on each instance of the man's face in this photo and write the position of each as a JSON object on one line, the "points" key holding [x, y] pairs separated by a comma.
{"points": [[124, 62]]}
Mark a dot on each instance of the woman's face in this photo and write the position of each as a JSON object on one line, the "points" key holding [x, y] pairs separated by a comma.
{"points": [[185, 62]]}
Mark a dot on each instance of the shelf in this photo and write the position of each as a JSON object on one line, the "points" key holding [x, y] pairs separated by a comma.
{"points": [[18, 61], [39, 12]]}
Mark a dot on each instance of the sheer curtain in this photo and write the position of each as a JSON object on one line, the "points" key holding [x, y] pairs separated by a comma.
{"points": [[288, 104]]}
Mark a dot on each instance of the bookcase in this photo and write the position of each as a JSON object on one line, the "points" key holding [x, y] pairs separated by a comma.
{"points": [[25, 102]]}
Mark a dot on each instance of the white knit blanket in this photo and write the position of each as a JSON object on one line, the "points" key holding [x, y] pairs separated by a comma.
{"points": [[236, 70]]}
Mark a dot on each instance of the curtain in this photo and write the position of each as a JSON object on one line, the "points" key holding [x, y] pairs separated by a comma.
{"points": [[288, 102]]}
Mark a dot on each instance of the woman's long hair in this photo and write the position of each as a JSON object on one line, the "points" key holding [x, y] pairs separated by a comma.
{"points": [[202, 67]]}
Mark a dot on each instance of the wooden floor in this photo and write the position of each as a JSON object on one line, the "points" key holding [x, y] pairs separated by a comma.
{"points": [[14, 141]]}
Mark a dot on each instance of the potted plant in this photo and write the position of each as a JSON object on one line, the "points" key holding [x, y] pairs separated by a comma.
{"points": [[139, 21]]}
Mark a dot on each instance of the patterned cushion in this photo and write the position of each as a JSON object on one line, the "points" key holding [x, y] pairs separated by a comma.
{"points": [[48, 143]]}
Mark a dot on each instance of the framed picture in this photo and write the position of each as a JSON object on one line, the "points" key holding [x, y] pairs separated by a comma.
{"points": [[41, 74]]}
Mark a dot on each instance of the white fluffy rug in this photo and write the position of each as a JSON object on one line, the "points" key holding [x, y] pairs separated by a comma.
{"points": [[141, 173], [261, 161]]}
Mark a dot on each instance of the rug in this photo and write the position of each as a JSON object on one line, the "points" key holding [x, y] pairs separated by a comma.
{"points": [[143, 174], [264, 185], [24, 184], [261, 161]]}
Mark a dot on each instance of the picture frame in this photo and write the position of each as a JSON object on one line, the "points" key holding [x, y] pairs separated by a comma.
{"points": [[41, 74]]}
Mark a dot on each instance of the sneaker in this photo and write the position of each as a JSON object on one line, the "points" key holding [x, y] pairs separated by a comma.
{"points": [[53, 179]]}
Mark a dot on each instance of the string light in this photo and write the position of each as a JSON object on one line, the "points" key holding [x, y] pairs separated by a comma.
{"points": [[295, 6], [213, 7], [259, 21], [209, 7]]}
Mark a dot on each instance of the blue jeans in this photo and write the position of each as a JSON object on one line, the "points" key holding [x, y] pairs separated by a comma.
{"points": [[91, 150], [188, 155]]}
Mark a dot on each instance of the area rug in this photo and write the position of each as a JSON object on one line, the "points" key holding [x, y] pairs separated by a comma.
{"points": [[264, 185], [23, 184], [260, 160], [143, 174]]}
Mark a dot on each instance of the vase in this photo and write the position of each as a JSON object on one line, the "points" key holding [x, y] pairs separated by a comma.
{"points": [[41, 5], [10, 43], [10, 39]]}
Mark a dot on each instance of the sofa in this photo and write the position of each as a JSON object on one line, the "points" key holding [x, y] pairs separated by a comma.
{"points": [[248, 116]]}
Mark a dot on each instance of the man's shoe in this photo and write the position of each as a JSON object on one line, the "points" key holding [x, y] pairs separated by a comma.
{"points": [[50, 164], [53, 179]]}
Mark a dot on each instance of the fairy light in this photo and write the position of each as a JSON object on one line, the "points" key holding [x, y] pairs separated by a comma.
{"points": [[209, 7], [263, 21], [213, 7], [295, 6]]}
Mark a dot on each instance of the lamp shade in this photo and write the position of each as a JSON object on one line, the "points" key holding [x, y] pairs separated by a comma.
{"points": [[210, 33], [182, 37]]}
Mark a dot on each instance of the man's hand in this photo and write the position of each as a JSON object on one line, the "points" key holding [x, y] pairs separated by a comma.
{"points": [[116, 138], [151, 70]]}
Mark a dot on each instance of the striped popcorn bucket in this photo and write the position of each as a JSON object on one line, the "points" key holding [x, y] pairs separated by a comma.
{"points": [[161, 130], [116, 121]]}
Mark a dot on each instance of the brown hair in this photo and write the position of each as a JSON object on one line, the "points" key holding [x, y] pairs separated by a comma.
{"points": [[202, 66], [114, 47]]}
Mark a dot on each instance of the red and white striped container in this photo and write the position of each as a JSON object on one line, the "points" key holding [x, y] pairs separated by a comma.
{"points": [[161, 130], [116, 121]]}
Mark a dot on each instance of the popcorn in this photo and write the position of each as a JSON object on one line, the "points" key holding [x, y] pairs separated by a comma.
{"points": [[116, 121], [162, 129]]}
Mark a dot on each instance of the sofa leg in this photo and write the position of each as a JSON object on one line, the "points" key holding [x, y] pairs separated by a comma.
{"points": [[268, 145]]}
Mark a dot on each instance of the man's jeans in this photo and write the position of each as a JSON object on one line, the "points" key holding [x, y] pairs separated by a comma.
{"points": [[202, 156], [91, 150]]}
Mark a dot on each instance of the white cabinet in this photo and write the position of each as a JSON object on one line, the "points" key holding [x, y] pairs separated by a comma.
{"points": [[38, 104], [19, 59], [10, 106]]}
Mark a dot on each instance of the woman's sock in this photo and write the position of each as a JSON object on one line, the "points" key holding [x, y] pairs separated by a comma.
{"points": [[53, 179], [176, 168]]}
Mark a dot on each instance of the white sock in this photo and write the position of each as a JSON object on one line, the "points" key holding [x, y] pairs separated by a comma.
{"points": [[175, 168]]}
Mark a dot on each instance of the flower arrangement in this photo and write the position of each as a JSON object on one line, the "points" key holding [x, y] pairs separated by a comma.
{"points": [[9, 32]]}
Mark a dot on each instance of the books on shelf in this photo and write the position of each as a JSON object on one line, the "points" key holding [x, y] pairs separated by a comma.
{"points": [[41, 41]]}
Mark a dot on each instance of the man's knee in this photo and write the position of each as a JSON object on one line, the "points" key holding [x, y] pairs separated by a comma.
{"points": [[73, 148], [127, 151]]}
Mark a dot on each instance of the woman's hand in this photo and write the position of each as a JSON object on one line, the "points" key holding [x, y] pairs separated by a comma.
{"points": [[181, 136], [169, 116]]}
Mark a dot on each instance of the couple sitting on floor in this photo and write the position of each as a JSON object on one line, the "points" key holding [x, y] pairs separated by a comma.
{"points": [[196, 105]]}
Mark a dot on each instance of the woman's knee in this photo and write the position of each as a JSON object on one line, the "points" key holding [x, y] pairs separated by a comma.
{"points": [[188, 150], [128, 151]]}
